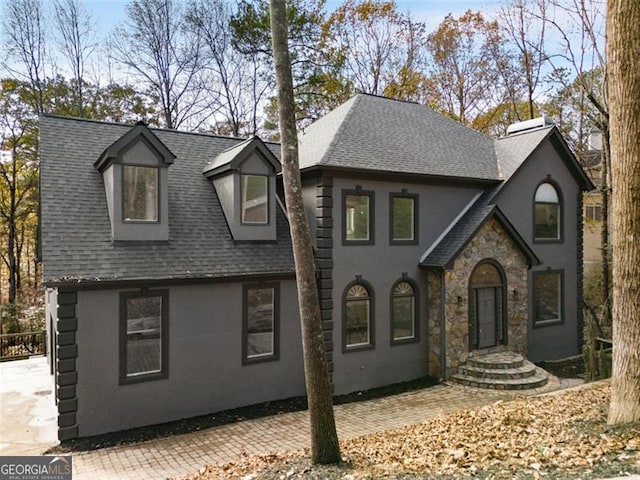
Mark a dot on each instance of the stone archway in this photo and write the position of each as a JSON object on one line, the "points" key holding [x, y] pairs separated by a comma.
{"points": [[487, 308]]}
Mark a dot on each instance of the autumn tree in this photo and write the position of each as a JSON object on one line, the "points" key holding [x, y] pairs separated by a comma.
{"points": [[623, 53], [381, 49], [18, 179], [463, 71], [156, 47], [324, 438]]}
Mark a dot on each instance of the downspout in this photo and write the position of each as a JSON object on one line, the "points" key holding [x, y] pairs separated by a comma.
{"points": [[443, 353]]}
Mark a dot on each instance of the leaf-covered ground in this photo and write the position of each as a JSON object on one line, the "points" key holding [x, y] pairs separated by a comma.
{"points": [[560, 436]]}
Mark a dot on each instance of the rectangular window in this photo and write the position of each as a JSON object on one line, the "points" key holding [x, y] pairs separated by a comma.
{"points": [[547, 297], [594, 212], [140, 194], [143, 336], [261, 323], [357, 218], [255, 199], [403, 318], [403, 220], [547, 226]]}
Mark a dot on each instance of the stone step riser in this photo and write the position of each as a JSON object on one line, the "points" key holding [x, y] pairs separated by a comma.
{"points": [[489, 365], [479, 383], [498, 374]]}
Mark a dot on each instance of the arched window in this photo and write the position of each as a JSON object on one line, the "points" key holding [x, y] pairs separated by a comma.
{"points": [[403, 312], [357, 317], [547, 212]]}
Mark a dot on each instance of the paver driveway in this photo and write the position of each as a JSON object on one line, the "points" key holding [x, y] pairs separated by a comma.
{"points": [[180, 454]]}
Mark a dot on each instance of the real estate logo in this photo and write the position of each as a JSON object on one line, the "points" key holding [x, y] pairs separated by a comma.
{"points": [[35, 468]]}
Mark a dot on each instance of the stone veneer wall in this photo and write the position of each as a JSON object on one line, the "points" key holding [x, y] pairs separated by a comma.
{"points": [[65, 357], [491, 242], [324, 261], [434, 324]]}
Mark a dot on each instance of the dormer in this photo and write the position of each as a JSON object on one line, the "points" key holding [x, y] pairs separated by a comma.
{"points": [[135, 172], [244, 178]]}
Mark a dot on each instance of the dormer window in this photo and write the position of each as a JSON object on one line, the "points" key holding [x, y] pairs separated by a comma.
{"points": [[135, 171], [255, 199], [244, 178], [140, 194]]}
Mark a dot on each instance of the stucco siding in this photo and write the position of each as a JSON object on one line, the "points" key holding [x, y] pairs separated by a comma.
{"points": [[205, 370], [516, 201], [381, 265]]}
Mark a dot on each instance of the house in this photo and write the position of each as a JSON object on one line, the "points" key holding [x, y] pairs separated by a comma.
{"points": [[169, 274]]}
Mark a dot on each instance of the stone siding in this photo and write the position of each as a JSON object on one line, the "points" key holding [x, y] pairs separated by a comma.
{"points": [[491, 242]]}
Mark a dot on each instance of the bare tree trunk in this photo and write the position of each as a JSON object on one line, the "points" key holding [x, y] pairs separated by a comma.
{"points": [[623, 51], [605, 291], [324, 438]]}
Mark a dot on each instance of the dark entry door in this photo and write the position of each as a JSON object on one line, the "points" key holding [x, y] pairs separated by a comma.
{"points": [[486, 317]]}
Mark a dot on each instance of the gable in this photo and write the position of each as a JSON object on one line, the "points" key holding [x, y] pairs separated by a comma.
{"points": [[465, 228], [516, 151]]}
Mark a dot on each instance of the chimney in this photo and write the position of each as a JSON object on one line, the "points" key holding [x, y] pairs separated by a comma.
{"points": [[532, 124]]}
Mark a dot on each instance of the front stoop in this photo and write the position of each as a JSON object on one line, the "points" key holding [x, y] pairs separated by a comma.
{"points": [[500, 371]]}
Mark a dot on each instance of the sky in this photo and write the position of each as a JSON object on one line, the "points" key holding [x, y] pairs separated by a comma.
{"points": [[432, 12]]}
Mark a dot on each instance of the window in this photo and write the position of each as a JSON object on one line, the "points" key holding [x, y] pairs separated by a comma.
{"points": [[593, 212], [547, 297], [260, 323], [403, 223], [357, 220], [547, 213], [403, 312], [255, 199], [143, 335], [357, 324], [140, 193]]}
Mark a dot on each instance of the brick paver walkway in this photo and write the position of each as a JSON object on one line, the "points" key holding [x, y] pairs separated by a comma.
{"points": [[180, 454]]}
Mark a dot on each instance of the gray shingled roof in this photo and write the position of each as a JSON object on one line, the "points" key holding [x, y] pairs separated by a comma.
{"points": [[444, 252], [513, 150], [76, 232], [381, 134]]}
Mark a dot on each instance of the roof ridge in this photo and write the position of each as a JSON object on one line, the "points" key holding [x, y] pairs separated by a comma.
{"points": [[131, 125], [383, 97]]}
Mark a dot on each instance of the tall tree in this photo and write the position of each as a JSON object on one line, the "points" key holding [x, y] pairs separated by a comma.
{"points": [[524, 27], [18, 176], [324, 438], [579, 49], [236, 82], [316, 86], [76, 41], [25, 42], [464, 73], [623, 53], [154, 44], [381, 49]]}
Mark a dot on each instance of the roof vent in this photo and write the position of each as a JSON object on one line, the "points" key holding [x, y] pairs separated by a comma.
{"points": [[529, 125]]}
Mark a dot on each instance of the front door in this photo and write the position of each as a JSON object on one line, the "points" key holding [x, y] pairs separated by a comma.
{"points": [[486, 310], [486, 317]]}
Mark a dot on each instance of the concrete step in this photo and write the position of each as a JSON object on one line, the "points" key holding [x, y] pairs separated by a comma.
{"points": [[539, 379], [497, 361], [527, 370]]}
